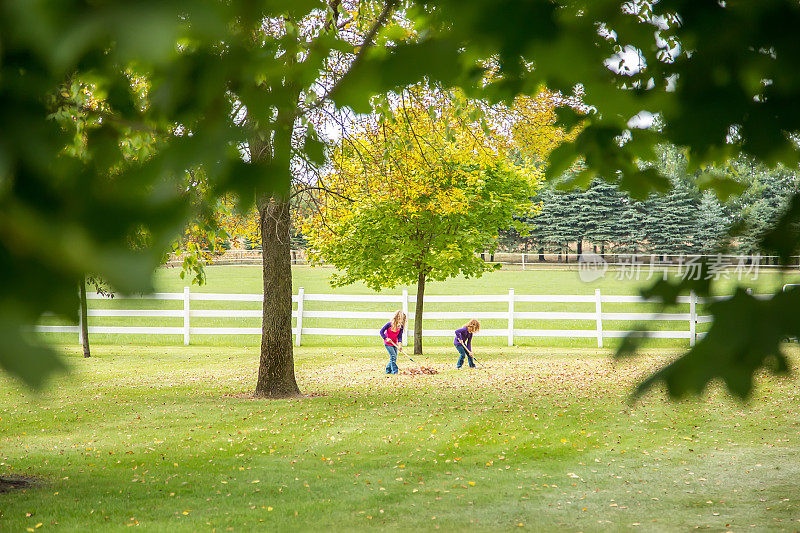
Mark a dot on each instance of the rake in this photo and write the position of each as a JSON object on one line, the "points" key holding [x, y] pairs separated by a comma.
{"points": [[400, 349], [472, 355]]}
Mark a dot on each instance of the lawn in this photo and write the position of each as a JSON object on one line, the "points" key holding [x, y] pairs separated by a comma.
{"points": [[168, 439], [247, 279]]}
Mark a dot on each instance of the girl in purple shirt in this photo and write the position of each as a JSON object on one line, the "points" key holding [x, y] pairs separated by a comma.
{"points": [[463, 342]]}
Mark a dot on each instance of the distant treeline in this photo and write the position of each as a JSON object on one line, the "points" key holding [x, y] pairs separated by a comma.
{"points": [[685, 220]]}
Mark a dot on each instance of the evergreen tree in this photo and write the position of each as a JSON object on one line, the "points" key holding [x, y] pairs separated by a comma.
{"points": [[542, 224], [762, 203], [670, 218], [601, 213], [712, 226], [568, 225], [629, 225]]}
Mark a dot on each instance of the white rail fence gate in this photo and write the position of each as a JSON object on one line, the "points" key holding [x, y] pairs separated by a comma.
{"points": [[598, 316]]}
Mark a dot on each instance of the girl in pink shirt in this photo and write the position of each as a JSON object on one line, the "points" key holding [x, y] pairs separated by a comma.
{"points": [[392, 335]]}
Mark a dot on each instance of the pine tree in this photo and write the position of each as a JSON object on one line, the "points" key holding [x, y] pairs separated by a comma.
{"points": [[568, 225], [629, 225], [541, 225], [762, 204], [601, 213], [712, 226], [670, 219]]}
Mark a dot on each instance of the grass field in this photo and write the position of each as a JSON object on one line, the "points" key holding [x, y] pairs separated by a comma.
{"points": [[247, 279], [169, 439]]}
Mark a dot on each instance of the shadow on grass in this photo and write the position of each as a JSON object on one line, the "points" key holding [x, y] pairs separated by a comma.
{"points": [[11, 483]]}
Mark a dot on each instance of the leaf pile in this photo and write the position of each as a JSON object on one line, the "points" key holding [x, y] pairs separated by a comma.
{"points": [[419, 371]]}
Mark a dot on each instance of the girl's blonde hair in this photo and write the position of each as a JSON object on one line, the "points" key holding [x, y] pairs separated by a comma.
{"points": [[473, 325], [399, 320]]}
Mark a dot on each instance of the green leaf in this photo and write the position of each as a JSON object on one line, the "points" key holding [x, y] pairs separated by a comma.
{"points": [[568, 118], [314, 148], [724, 186], [32, 363], [561, 159], [640, 183], [406, 64]]}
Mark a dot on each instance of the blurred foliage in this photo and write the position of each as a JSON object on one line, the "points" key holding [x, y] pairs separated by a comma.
{"points": [[105, 107], [715, 93]]}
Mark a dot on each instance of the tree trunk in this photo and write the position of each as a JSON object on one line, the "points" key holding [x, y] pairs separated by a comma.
{"points": [[276, 368], [418, 313], [580, 247], [84, 319]]}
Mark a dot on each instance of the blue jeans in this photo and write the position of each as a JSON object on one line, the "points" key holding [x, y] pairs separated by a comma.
{"points": [[391, 366], [462, 354]]}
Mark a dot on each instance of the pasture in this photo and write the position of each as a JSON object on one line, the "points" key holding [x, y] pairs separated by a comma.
{"points": [[168, 438]]}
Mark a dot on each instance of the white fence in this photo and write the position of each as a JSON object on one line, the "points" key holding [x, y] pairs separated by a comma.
{"points": [[597, 317]]}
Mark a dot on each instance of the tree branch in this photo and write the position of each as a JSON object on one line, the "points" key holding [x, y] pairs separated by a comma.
{"points": [[373, 31]]}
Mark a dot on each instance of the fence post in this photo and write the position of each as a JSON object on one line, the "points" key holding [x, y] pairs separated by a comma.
{"points": [[298, 337], [523, 261], [511, 317], [599, 311], [186, 296], [405, 312], [692, 318]]}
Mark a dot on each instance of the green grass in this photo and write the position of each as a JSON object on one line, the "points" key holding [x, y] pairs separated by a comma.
{"points": [[169, 439], [247, 279]]}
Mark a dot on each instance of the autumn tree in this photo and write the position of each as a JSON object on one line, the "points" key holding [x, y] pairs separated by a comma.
{"points": [[414, 192]]}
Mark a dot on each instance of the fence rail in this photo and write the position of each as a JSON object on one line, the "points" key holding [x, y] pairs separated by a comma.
{"points": [[599, 317]]}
